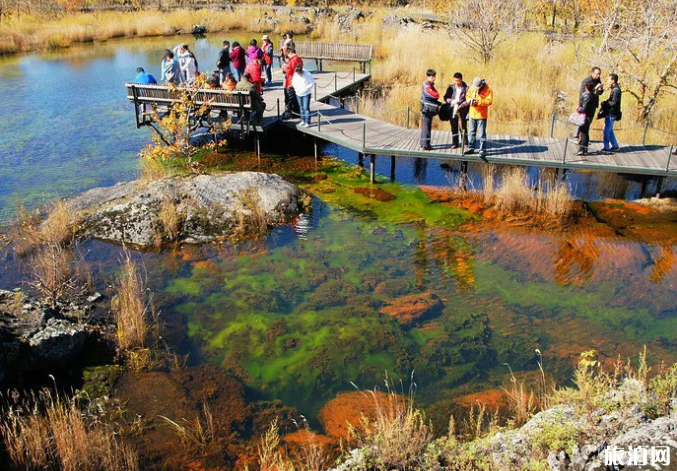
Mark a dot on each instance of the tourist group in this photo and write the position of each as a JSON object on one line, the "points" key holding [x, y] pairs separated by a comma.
{"points": [[237, 69], [467, 107]]}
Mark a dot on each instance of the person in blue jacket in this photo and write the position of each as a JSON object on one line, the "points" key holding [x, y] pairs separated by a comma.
{"points": [[143, 77]]}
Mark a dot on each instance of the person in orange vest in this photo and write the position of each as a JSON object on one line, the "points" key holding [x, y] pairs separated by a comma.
{"points": [[479, 98]]}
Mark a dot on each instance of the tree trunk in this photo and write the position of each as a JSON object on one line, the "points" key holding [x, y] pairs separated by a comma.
{"points": [[554, 14]]}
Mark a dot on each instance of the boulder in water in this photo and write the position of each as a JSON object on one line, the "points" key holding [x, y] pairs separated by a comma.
{"points": [[193, 208]]}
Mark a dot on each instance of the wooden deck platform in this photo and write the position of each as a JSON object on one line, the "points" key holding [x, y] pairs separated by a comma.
{"points": [[375, 137]]}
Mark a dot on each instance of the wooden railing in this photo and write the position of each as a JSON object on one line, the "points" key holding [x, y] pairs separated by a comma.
{"points": [[320, 52]]}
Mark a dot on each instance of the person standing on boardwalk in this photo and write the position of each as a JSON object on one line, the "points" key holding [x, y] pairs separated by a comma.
{"points": [[254, 52], [290, 102], [586, 105], [612, 112], [237, 60], [171, 70], [223, 64], [287, 44], [597, 88], [429, 108], [182, 53], [254, 70], [144, 78], [190, 68], [455, 96], [303, 83], [479, 99], [268, 51]]}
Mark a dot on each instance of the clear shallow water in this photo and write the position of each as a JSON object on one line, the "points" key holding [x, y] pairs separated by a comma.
{"points": [[299, 315]]}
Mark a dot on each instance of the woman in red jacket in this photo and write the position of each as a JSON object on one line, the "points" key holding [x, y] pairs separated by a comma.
{"points": [[237, 60], [254, 69], [291, 104]]}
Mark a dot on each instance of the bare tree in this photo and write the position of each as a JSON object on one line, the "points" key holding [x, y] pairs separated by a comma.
{"points": [[484, 24], [639, 42]]}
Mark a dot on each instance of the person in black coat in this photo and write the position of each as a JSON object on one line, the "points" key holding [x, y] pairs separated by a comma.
{"points": [[455, 96], [223, 64], [597, 87], [612, 113], [587, 105]]}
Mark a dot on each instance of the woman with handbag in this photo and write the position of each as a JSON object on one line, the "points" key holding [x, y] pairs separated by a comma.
{"points": [[429, 108], [586, 106]]}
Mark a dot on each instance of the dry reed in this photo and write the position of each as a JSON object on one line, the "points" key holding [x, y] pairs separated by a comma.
{"points": [[60, 438], [130, 307], [398, 434]]}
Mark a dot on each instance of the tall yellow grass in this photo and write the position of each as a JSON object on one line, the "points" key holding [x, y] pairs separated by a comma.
{"points": [[130, 307], [517, 194], [49, 433]]}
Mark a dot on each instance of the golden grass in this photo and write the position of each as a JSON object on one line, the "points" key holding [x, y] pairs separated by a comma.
{"points": [[30, 232], [517, 195], [40, 32], [130, 307], [398, 434], [196, 434], [46, 432], [170, 220]]}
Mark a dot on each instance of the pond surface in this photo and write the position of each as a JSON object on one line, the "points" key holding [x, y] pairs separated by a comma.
{"points": [[324, 302]]}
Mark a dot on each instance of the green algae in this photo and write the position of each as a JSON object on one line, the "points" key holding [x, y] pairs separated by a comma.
{"points": [[409, 206]]}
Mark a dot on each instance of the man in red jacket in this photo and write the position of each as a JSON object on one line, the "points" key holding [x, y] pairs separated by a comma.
{"points": [[291, 105]]}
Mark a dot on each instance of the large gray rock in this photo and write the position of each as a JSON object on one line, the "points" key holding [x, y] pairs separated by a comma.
{"points": [[33, 339], [202, 207]]}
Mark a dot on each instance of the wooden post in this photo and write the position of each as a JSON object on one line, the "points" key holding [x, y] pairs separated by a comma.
{"points": [[317, 152], [659, 185], [372, 169], [258, 145], [560, 173], [319, 121], [462, 137], [364, 135], [278, 108], [335, 81], [360, 160], [552, 125], [463, 183], [315, 87], [354, 78], [566, 144], [136, 106], [667, 167], [646, 128], [392, 168], [408, 115], [357, 104]]}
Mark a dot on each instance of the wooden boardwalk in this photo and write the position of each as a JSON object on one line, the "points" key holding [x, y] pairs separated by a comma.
{"points": [[371, 136]]}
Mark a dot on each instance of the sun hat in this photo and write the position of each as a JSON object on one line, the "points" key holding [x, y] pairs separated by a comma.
{"points": [[477, 82], [265, 36]]}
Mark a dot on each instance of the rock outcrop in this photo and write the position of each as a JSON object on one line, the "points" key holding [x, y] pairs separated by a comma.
{"points": [[33, 338], [193, 209]]}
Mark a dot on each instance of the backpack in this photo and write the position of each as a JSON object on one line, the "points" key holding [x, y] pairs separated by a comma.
{"points": [[445, 112]]}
